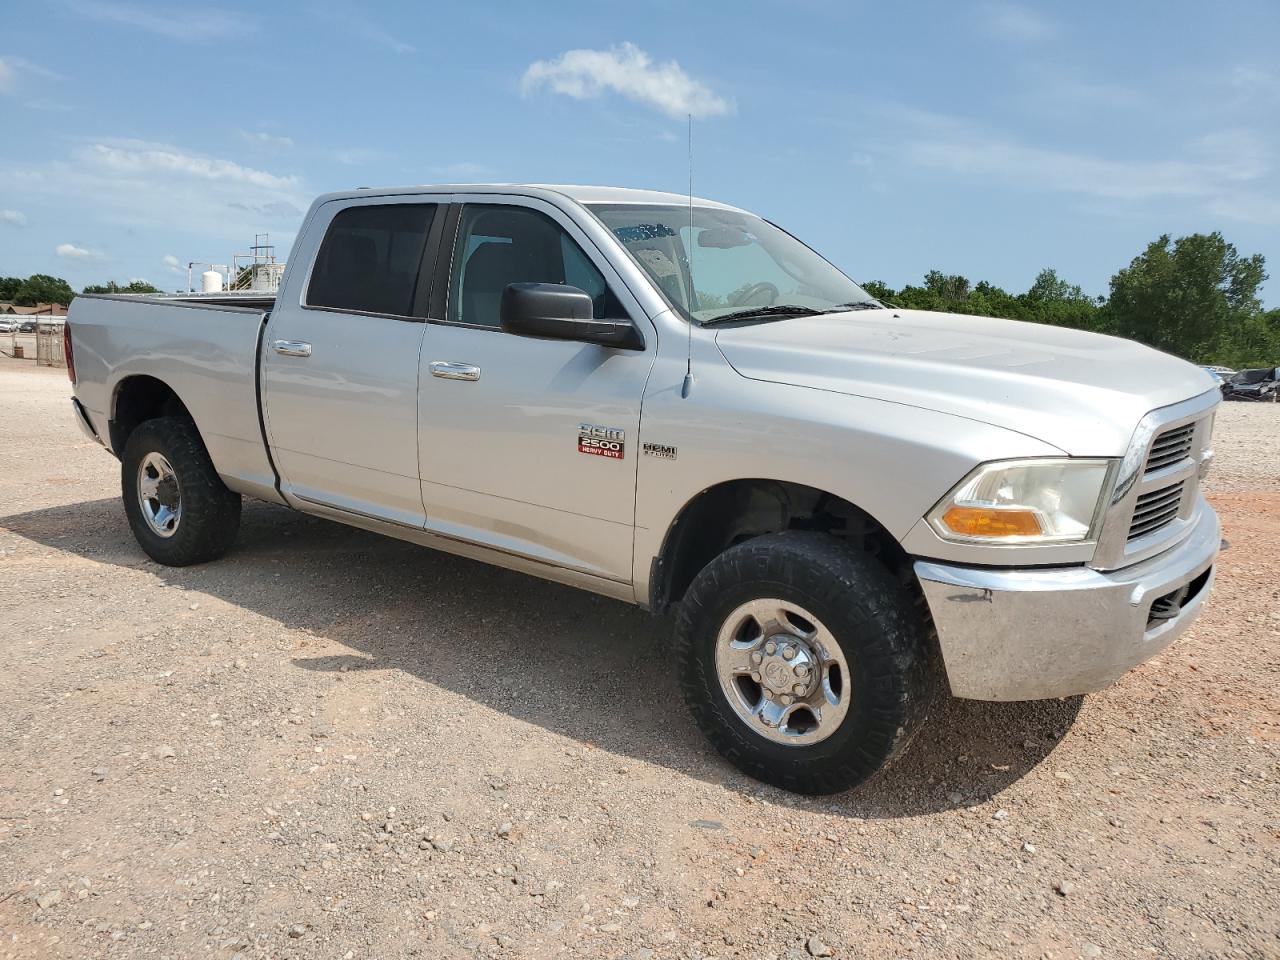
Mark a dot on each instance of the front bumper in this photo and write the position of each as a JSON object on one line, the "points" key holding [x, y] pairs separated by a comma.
{"points": [[1034, 634]]}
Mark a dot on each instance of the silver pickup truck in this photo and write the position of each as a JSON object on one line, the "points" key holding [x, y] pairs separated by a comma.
{"points": [[675, 403]]}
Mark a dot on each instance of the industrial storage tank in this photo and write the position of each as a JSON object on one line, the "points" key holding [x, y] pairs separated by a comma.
{"points": [[265, 277], [211, 281]]}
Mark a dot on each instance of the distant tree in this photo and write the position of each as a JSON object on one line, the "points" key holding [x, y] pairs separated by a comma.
{"points": [[9, 287], [42, 288], [1255, 343], [950, 288], [988, 300], [1048, 286], [1194, 296], [1053, 300], [134, 286], [881, 291]]}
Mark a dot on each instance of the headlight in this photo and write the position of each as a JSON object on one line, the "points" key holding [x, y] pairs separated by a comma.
{"points": [[1025, 501]]}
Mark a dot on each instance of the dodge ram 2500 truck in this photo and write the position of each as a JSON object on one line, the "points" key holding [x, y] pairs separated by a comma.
{"points": [[675, 403]]}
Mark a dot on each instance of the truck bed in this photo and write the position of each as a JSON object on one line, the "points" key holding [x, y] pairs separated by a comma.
{"points": [[207, 351]]}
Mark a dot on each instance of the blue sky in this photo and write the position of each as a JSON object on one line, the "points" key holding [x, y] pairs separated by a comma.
{"points": [[985, 138]]}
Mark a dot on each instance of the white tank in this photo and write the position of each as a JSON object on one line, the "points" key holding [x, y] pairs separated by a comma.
{"points": [[211, 281], [265, 277]]}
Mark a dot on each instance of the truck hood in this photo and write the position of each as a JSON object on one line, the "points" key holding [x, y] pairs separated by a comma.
{"points": [[1081, 392]]}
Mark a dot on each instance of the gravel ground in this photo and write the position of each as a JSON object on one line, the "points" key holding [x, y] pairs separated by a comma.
{"points": [[334, 745]]}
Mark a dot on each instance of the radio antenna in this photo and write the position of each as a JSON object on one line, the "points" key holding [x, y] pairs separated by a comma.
{"points": [[693, 291]]}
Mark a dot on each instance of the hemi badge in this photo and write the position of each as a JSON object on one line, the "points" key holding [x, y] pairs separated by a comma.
{"points": [[660, 450]]}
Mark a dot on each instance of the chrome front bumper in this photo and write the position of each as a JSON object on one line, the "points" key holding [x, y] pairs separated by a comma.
{"points": [[1035, 634]]}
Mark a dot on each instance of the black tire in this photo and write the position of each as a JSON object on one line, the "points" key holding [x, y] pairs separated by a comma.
{"points": [[210, 516], [881, 628]]}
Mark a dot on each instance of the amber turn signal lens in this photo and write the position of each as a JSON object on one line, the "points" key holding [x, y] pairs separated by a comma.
{"points": [[991, 522]]}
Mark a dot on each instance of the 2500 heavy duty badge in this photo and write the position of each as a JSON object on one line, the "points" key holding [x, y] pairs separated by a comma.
{"points": [[601, 441]]}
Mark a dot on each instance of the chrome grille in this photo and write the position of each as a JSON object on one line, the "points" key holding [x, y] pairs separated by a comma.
{"points": [[1170, 447], [1156, 500], [1156, 509]]}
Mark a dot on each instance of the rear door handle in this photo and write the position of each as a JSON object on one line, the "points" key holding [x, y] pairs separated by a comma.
{"points": [[448, 370], [291, 348]]}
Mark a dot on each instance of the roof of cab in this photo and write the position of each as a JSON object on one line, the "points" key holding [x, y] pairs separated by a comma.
{"points": [[579, 193]]}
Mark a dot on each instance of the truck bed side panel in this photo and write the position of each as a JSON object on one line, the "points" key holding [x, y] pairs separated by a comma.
{"points": [[206, 354]]}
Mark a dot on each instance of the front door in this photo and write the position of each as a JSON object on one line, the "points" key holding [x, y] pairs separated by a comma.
{"points": [[340, 368], [529, 445]]}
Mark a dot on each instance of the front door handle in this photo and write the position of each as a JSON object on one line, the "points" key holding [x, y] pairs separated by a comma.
{"points": [[448, 370], [291, 348]]}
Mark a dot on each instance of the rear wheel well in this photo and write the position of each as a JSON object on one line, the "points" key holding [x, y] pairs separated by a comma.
{"points": [[138, 399], [739, 510]]}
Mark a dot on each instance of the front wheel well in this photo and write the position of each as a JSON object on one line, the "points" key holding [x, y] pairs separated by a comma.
{"points": [[739, 510], [138, 399]]}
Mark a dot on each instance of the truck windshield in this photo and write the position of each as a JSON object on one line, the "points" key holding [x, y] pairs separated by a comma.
{"points": [[739, 264]]}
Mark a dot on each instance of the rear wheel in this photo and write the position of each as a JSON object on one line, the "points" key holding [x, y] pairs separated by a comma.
{"points": [[178, 508], [804, 661]]}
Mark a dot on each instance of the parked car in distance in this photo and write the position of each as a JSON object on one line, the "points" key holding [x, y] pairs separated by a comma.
{"points": [[8, 326], [675, 403], [27, 326], [1257, 384]]}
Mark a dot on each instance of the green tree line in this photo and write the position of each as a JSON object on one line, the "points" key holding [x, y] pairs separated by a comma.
{"points": [[42, 288], [1196, 297]]}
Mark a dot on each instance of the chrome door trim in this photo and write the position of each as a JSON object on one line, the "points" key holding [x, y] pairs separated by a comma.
{"points": [[452, 370]]}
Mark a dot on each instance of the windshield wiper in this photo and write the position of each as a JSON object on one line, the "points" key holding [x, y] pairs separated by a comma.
{"points": [[754, 313]]}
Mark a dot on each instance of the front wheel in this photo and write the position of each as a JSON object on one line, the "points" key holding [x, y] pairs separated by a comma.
{"points": [[804, 661], [178, 508]]}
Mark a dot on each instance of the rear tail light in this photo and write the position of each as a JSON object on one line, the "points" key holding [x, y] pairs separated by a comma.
{"points": [[66, 350]]}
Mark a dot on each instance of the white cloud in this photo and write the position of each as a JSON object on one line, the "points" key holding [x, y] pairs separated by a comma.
{"points": [[140, 158], [629, 71], [17, 72], [1218, 171], [13, 218], [1016, 22], [461, 171], [136, 185], [173, 22], [354, 21], [72, 252], [355, 156], [274, 209], [172, 264], [261, 138], [1255, 84]]}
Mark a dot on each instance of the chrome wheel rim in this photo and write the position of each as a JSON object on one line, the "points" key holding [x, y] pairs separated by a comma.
{"points": [[159, 495], [782, 672]]}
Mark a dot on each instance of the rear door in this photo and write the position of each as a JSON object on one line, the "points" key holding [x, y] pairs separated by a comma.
{"points": [[340, 367], [529, 445]]}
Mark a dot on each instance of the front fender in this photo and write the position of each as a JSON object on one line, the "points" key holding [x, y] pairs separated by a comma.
{"points": [[892, 461]]}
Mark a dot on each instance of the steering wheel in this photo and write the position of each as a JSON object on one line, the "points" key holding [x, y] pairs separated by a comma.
{"points": [[752, 291]]}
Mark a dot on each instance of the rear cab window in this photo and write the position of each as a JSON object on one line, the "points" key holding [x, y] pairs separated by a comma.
{"points": [[371, 259]]}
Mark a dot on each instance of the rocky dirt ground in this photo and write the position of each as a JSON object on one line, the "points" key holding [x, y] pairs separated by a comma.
{"points": [[334, 745]]}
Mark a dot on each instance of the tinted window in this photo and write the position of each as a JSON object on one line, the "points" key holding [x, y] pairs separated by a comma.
{"points": [[370, 259], [498, 245]]}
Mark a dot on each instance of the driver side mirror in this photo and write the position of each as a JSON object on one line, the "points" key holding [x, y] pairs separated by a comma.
{"points": [[558, 311]]}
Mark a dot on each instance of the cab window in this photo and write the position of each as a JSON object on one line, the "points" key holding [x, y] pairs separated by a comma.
{"points": [[371, 258], [498, 244]]}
